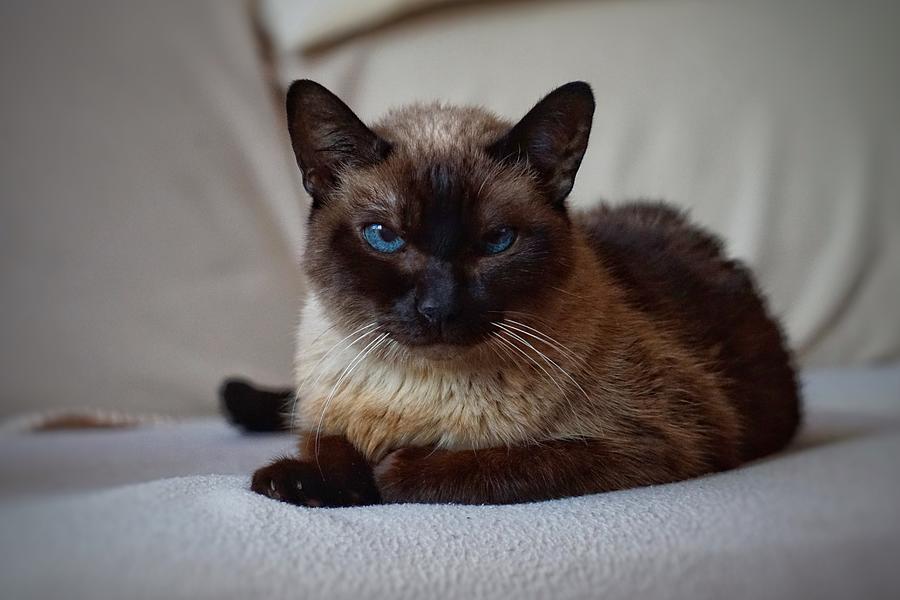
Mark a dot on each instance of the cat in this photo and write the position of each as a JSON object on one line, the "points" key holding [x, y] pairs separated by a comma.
{"points": [[469, 339]]}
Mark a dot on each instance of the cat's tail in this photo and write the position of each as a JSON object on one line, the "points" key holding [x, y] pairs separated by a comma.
{"points": [[255, 409]]}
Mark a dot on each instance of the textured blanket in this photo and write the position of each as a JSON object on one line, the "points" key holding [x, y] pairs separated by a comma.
{"points": [[86, 515]]}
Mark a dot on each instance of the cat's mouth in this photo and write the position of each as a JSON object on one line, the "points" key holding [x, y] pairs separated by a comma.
{"points": [[440, 352], [442, 347]]}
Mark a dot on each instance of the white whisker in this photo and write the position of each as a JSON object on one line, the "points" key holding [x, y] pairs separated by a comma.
{"points": [[315, 367], [497, 348], [360, 356], [566, 292], [531, 359], [540, 335], [394, 351], [530, 317], [551, 362], [545, 357], [367, 331]]}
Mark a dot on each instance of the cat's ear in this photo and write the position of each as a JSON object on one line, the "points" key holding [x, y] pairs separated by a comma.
{"points": [[552, 137], [327, 137]]}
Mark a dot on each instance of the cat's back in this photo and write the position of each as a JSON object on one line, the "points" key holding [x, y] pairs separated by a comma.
{"points": [[679, 275]]}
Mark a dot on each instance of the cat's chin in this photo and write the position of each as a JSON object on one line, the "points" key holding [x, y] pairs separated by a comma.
{"points": [[441, 351]]}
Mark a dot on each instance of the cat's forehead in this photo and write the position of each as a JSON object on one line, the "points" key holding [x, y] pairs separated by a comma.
{"points": [[436, 127], [439, 175], [454, 187]]}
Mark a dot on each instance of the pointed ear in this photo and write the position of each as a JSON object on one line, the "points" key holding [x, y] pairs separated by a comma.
{"points": [[552, 137], [327, 137]]}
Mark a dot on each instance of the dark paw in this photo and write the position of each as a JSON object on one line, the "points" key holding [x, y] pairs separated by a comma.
{"points": [[297, 482], [287, 480]]}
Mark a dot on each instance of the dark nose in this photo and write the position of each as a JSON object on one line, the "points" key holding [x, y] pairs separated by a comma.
{"points": [[434, 311], [436, 298]]}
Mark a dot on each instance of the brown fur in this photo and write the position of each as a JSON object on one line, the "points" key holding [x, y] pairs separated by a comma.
{"points": [[608, 349]]}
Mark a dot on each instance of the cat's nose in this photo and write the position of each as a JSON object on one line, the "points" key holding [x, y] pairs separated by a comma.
{"points": [[434, 310], [437, 297]]}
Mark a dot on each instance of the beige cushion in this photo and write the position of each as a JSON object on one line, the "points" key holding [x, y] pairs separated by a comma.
{"points": [[150, 211], [317, 24]]}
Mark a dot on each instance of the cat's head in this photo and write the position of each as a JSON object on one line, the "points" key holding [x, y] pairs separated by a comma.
{"points": [[437, 221]]}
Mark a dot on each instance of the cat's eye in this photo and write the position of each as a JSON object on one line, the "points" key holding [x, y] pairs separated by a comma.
{"points": [[499, 240], [383, 239]]}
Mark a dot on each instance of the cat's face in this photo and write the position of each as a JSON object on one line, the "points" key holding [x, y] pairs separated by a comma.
{"points": [[438, 221]]}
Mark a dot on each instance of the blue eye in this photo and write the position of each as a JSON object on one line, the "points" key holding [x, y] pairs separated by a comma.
{"points": [[499, 240], [382, 238]]}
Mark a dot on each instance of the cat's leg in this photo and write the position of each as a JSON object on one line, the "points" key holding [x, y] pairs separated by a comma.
{"points": [[330, 473], [553, 469]]}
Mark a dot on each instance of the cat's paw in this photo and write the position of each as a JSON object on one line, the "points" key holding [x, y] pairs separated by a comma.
{"points": [[303, 484], [402, 476], [289, 480]]}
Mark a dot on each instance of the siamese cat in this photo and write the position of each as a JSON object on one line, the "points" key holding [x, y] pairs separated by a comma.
{"points": [[469, 339]]}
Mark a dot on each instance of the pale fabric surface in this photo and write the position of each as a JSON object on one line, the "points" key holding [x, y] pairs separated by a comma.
{"points": [[820, 521], [774, 121], [150, 210]]}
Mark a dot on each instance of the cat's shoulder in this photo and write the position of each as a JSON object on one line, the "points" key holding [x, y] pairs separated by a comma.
{"points": [[655, 249], [649, 226]]}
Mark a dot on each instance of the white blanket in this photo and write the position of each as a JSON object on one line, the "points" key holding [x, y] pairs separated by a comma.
{"points": [[819, 521]]}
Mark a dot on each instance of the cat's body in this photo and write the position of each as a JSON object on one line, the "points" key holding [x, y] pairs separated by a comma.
{"points": [[596, 351]]}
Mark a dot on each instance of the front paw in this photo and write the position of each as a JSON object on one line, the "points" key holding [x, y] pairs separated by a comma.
{"points": [[301, 483], [402, 476], [289, 480]]}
